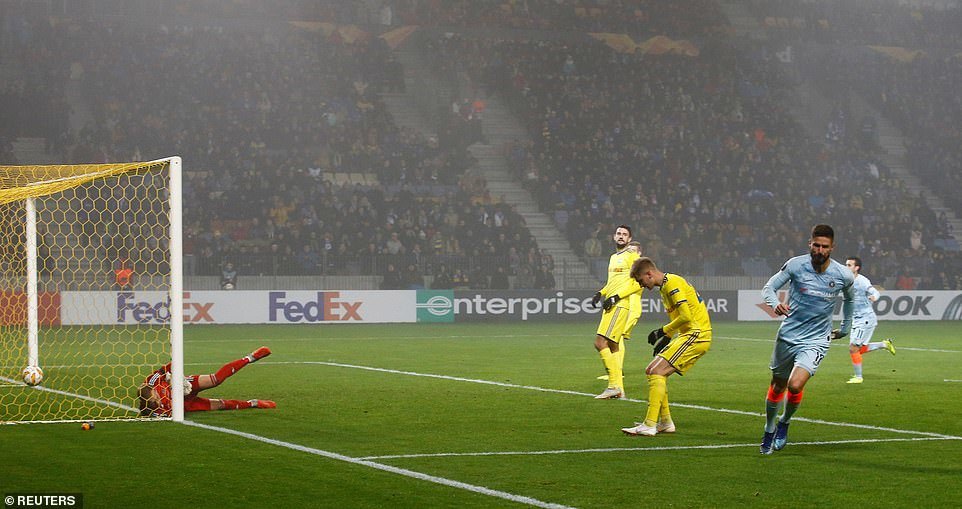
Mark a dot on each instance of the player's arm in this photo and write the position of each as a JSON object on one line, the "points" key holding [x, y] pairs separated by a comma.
{"points": [[683, 317], [629, 287], [622, 291], [600, 294], [873, 293], [848, 309], [774, 283]]}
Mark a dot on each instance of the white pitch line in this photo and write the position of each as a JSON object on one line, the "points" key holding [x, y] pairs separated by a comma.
{"points": [[514, 336], [577, 393], [332, 455], [951, 380], [387, 468], [642, 449], [72, 395], [842, 344]]}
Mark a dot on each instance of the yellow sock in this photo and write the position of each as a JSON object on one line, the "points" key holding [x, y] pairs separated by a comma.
{"points": [[657, 392], [620, 360], [611, 366], [665, 414], [620, 355]]}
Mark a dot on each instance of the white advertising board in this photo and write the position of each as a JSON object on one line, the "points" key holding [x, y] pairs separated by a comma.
{"points": [[892, 305], [211, 307]]}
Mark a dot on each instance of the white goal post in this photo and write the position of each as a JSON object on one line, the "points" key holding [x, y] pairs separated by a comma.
{"points": [[76, 240]]}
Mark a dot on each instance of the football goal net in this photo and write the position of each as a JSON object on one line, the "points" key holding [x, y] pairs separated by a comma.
{"points": [[91, 291]]}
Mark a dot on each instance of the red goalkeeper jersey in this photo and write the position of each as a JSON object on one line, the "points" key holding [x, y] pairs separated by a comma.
{"points": [[160, 385]]}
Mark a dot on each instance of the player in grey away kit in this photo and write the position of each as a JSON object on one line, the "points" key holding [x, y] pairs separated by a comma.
{"points": [[814, 283]]}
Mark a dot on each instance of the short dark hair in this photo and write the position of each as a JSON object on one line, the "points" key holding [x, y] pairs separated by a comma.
{"points": [[625, 227], [823, 230], [857, 260]]}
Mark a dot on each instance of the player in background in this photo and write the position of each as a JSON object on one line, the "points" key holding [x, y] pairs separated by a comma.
{"points": [[690, 327], [634, 314], [616, 309], [154, 398], [864, 321], [815, 282]]}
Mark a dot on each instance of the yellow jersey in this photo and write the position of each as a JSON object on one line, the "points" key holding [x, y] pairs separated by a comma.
{"points": [[686, 309], [619, 279]]}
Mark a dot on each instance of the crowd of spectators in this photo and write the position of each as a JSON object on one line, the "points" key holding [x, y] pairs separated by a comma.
{"points": [[634, 17], [915, 89], [862, 22], [32, 99], [700, 154], [265, 119]]}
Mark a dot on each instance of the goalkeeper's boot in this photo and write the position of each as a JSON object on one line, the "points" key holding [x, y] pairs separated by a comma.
{"points": [[611, 393], [767, 439], [781, 436], [887, 343], [262, 403], [641, 429], [854, 380], [258, 354]]}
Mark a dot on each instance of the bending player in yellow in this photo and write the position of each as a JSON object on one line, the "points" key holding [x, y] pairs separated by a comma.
{"points": [[616, 306], [688, 318]]}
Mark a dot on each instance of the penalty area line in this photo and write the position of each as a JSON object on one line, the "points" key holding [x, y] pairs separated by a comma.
{"points": [[643, 449], [386, 468]]}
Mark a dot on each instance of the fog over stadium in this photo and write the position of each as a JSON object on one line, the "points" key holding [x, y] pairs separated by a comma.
{"points": [[404, 144]]}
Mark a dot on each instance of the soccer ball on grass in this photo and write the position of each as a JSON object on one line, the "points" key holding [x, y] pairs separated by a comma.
{"points": [[32, 375]]}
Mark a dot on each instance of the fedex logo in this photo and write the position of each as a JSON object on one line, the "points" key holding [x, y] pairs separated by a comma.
{"points": [[327, 307], [130, 309]]}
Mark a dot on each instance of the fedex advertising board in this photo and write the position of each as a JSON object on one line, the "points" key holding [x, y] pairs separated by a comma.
{"points": [[209, 307]]}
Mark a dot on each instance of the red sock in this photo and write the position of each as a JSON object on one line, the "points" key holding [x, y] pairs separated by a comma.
{"points": [[857, 357], [863, 349], [229, 369], [795, 398], [774, 398], [236, 404]]}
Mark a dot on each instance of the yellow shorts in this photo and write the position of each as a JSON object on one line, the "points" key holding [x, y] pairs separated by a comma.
{"points": [[686, 349], [613, 322]]}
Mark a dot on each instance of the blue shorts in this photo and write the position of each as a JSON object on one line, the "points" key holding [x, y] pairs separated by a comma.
{"points": [[862, 330], [805, 355]]}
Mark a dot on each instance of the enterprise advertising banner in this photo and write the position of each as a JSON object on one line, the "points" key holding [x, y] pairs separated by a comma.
{"points": [[534, 305]]}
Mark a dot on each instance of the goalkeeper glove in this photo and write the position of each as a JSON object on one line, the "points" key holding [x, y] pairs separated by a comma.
{"points": [[837, 334], [655, 335], [661, 345], [610, 301], [595, 300]]}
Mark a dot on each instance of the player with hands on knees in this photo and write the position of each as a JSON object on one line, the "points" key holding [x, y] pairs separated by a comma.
{"points": [[677, 345]]}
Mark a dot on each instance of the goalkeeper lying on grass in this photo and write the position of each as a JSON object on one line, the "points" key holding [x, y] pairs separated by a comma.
{"points": [[153, 396]]}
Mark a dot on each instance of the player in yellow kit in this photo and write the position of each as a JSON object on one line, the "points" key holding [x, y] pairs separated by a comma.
{"points": [[616, 306], [690, 327], [634, 314]]}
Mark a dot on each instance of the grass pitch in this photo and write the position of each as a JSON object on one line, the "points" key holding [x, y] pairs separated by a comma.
{"points": [[501, 415]]}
